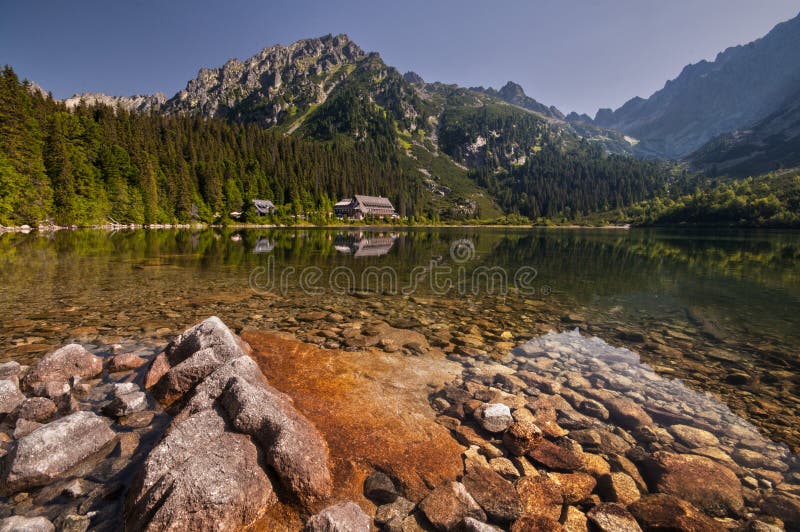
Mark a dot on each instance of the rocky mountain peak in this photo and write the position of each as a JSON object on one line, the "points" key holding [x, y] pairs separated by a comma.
{"points": [[512, 90], [262, 79], [413, 78]]}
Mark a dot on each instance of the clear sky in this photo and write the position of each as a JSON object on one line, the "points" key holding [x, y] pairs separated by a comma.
{"points": [[575, 54]]}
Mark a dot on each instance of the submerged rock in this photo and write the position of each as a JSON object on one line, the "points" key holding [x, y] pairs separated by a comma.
{"points": [[448, 505], [703, 482], [494, 494], [494, 417], [380, 488], [666, 512], [344, 517], [54, 449]]}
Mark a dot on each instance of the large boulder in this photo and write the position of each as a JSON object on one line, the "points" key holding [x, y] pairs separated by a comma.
{"points": [[293, 447], [200, 474], [53, 449], [344, 517], [448, 505], [58, 366], [710, 486], [212, 334]]}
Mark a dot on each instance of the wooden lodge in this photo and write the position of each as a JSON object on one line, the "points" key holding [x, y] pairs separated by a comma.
{"points": [[359, 207]]}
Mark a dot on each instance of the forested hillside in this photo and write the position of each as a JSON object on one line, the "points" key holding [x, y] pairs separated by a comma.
{"points": [[771, 200], [96, 164]]}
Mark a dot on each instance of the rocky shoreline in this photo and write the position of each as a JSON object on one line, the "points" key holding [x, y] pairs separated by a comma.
{"points": [[564, 433]]}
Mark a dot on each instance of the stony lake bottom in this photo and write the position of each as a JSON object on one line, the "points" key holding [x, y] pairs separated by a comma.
{"points": [[717, 310]]}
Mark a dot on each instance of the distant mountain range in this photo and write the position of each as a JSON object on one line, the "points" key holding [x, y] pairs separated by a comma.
{"points": [[745, 87]]}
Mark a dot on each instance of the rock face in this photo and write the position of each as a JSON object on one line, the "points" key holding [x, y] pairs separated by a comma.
{"points": [[270, 76], [448, 505], [53, 449], [58, 366], [741, 86], [210, 465], [345, 517], [703, 482]]}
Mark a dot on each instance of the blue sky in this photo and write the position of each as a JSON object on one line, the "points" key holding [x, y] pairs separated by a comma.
{"points": [[577, 55]]}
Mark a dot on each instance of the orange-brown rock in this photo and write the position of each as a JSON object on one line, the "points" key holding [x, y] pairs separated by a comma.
{"points": [[665, 512], [448, 505], [125, 362], [576, 487], [536, 523], [494, 494], [540, 496], [712, 487], [556, 457], [523, 434], [158, 368], [372, 409]]}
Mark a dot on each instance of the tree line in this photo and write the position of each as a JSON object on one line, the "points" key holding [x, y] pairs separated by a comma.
{"points": [[95, 164]]}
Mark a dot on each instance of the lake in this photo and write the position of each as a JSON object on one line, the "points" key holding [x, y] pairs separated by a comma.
{"points": [[718, 310]]}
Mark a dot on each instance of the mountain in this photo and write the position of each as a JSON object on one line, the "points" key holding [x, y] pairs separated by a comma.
{"points": [[305, 124], [771, 144], [742, 86], [514, 94], [139, 102]]}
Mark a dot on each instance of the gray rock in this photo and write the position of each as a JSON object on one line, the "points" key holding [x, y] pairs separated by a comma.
{"points": [[10, 369], [494, 417], [64, 363], [344, 517], [54, 449], [125, 404], [379, 488], [39, 409], [293, 447], [10, 396], [212, 334], [18, 523], [612, 517], [470, 524], [199, 474], [25, 427], [399, 509]]}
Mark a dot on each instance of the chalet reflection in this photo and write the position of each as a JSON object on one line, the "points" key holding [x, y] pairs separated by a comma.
{"points": [[263, 245], [360, 245]]}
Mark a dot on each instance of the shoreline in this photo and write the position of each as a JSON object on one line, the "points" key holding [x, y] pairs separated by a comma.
{"points": [[504, 440]]}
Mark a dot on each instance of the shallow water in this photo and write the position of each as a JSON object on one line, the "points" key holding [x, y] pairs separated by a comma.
{"points": [[717, 310]]}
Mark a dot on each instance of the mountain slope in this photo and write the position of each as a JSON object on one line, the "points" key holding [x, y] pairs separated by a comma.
{"points": [[743, 85], [771, 144]]}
